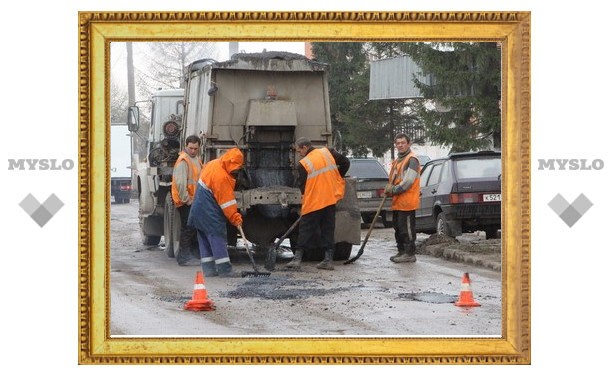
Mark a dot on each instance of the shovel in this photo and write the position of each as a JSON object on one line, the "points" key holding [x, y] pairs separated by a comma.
{"points": [[255, 272], [272, 252], [365, 240]]}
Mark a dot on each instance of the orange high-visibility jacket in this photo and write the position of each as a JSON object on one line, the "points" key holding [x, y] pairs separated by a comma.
{"points": [[410, 199], [324, 185], [193, 172], [216, 176]]}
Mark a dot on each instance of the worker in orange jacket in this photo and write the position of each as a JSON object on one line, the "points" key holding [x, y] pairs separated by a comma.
{"points": [[184, 180], [320, 180], [404, 186], [213, 206]]}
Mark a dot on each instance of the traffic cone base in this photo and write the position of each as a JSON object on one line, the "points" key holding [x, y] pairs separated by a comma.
{"points": [[199, 300], [466, 299]]}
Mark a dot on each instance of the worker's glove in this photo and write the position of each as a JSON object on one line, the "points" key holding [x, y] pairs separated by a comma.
{"points": [[236, 219], [389, 189]]}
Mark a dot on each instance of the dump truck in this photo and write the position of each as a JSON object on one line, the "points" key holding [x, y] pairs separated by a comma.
{"points": [[153, 178], [261, 103]]}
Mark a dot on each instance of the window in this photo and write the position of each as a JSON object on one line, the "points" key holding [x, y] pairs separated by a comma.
{"points": [[478, 168], [434, 178], [425, 175]]}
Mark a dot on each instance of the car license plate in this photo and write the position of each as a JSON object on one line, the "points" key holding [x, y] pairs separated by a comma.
{"points": [[367, 194], [491, 197]]}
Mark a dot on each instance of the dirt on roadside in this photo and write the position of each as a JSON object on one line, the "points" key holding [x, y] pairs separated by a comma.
{"points": [[468, 249]]}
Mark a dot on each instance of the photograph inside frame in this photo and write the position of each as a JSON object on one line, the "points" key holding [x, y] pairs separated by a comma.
{"points": [[223, 155]]}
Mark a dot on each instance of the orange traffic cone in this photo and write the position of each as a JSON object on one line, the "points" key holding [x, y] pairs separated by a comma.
{"points": [[199, 300], [466, 299]]}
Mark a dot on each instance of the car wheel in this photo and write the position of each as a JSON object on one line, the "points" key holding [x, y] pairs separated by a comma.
{"points": [[442, 227], [367, 218], [491, 232]]}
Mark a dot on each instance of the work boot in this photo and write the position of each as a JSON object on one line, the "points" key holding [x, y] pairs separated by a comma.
{"points": [[404, 258], [224, 269], [186, 259], [327, 261], [297, 259], [209, 269], [398, 254]]}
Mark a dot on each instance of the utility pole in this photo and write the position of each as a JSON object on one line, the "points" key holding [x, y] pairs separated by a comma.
{"points": [[131, 101], [130, 74]]}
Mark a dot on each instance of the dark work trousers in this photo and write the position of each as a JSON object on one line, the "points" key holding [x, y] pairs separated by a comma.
{"points": [[405, 236], [188, 244], [317, 228]]}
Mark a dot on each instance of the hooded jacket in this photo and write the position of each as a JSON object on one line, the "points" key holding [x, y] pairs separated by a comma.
{"points": [[215, 202]]}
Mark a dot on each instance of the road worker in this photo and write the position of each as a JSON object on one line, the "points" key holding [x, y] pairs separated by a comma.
{"points": [[184, 180], [404, 186], [320, 180], [213, 206]]}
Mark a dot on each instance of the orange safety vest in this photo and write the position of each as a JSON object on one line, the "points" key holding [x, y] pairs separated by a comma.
{"points": [[193, 172], [324, 185], [410, 199]]}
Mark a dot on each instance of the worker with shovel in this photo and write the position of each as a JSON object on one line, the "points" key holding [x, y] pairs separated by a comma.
{"points": [[214, 205], [320, 180], [404, 187], [184, 182]]}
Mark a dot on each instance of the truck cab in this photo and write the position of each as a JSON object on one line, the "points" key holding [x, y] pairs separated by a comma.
{"points": [[154, 172]]}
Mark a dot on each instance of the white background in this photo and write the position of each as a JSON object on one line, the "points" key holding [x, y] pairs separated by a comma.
{"points": [[571, 84]]}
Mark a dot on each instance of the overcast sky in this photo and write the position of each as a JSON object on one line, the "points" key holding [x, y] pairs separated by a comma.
{"points": [[118, 53]]}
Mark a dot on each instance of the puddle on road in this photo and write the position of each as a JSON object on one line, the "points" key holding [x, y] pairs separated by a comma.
{"points": [[429, 297]]}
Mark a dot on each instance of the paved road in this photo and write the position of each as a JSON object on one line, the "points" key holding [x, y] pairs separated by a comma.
{"points": [[373, 296]]}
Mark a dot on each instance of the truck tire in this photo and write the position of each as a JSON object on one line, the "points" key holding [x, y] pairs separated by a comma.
{"points": [[315, 254], [149, 239], [168, 226], [343, 251]]}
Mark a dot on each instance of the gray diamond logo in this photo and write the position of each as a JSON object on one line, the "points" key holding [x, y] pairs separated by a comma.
{"points": [[570, 213], [41, 213]]}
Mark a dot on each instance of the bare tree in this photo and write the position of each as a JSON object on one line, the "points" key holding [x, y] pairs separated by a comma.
{"points": [[163, 62], [118, 102]]}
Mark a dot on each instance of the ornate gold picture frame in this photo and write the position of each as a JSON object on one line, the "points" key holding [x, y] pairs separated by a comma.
{"points": [[98, 29]]}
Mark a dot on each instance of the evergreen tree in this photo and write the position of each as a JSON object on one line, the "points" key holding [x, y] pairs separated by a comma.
{"points": [[366, 126], [460, 107]]}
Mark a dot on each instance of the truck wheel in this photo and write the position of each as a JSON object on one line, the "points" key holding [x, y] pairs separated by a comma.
{"points": [[149, 239], [343, 251], [314, 254], [168, 225]]}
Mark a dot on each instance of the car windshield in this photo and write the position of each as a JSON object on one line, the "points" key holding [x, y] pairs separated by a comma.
{"points": [[478, 168], [367, 169]]}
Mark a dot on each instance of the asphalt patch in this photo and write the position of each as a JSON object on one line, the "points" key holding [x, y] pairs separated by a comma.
{"points": [[279, 288], [429, 297]]}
